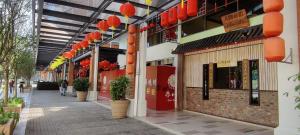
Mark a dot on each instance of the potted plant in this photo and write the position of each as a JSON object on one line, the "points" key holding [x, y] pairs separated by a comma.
{"points": [[14, 104], [81, 86], [119, 103]]}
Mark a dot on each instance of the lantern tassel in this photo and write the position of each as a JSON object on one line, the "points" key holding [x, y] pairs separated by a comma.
{"points": [[182, 3], [215, 6], [148, 10], [226, 3], [127, 20]]}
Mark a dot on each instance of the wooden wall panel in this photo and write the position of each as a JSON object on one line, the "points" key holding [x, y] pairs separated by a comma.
{"points": [[237, 52]]}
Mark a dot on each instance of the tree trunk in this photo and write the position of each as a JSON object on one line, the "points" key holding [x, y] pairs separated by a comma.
{"points": [[16, 86], [6, 79]]}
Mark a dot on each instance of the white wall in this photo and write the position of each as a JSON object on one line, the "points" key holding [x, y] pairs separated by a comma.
{"points": [[161, 51], [289, 118]]}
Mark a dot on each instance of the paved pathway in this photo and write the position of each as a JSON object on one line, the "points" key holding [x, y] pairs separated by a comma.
{"points": [[51, 114]]}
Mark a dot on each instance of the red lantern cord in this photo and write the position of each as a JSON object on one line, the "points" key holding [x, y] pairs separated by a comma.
{"points": [[226, 3]]}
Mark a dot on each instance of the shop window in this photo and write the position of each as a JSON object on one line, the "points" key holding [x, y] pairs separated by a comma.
{"points": [[228, 77], [254, 83], [205, 87]]}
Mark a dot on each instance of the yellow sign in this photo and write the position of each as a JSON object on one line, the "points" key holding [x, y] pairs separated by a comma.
{"points": [[226, 63]]}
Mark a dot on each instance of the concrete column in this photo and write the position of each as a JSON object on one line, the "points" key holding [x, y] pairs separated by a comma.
{"points": [[70, 77], [289, 117], [64, 71], [177, 64], [92, 96], [140, 92]]}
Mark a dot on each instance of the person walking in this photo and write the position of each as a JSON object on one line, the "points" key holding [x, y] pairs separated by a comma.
{"points": [[11, 86], [64, 87], [21, 86]]}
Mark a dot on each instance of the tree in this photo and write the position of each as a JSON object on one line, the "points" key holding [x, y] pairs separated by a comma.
{"points": [[13, 18]]}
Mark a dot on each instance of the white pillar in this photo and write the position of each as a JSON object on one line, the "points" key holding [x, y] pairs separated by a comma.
{"points": [[140, 89], [289, 117], [64, 71]]}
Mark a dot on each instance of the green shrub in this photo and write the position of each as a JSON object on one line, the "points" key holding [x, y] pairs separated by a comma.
{"points": [[296, 78], [15, 102], [81, 84], [118, 88]]}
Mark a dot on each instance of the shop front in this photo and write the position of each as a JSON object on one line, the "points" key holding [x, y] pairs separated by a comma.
{"points": [[227, 76]]}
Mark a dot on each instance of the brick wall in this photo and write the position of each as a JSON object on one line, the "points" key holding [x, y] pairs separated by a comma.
{"points": [[234, 104]]}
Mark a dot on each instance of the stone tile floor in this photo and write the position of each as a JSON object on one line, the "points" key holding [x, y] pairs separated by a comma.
{"points": [[188, 123], [52, 114]]}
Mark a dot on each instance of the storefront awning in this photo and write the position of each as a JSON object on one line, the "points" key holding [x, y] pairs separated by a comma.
{"points": [[251, 33]]}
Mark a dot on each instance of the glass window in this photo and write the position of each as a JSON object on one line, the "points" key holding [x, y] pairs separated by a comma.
{"points": [[228, 77], [254, 82]]}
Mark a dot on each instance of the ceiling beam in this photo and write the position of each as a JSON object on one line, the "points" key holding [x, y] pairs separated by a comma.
{"points": [[137, 4], [59, 29], [62, 34], [62, 38], [74, 5], [73, 25], [73, 17], [53, 41]]}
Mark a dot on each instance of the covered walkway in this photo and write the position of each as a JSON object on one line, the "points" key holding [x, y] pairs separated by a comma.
{"points": [[52, 114]]}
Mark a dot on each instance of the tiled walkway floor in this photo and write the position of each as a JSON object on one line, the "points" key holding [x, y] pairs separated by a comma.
{"points": [[52, 114], [187, 123]]}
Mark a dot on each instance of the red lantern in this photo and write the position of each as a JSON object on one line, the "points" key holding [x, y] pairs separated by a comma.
{"points": [[273, 5], [113, 21], [274, 49], [104, 65], [84, 44], [103, 26], [172, 15], [132, 29], [127, 10], [192, 7], [89, 38], [67, 55], [96, 36], [164, 22], [73, 53], [272, 24], [152, 25], [182, 14]]}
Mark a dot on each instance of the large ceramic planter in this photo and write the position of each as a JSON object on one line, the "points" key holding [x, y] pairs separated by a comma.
{"points": [[7, 128], [16, 109], [81, 95], [119, 108]]}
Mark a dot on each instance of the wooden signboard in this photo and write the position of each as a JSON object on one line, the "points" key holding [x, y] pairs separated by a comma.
{"points": [[246, 74], [236, 20]]}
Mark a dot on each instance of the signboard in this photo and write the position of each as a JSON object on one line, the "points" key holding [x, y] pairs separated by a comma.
{"points": [[236, 20], [226, 63]]}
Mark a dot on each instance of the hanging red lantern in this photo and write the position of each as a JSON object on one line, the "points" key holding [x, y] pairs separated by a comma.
{"points": [[274, 49], [127, 10], [73, 53], [89, 38], [132, 29], [84, 44], [67, 55], [96, 36], [164, 21], [103, 26], [272, 24], [131, 39], [113, 21], [152, 25], [192, 7], [273, 5], [182, 14], [129, 69], [130, 49], [172, 15]]}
